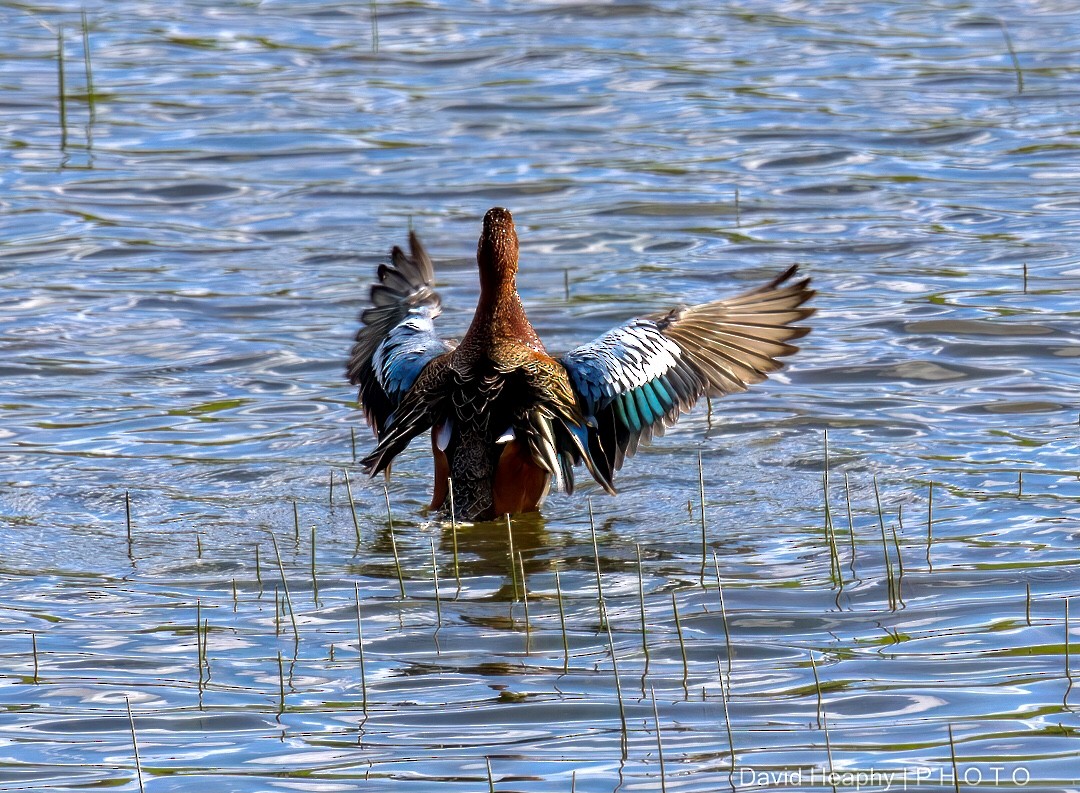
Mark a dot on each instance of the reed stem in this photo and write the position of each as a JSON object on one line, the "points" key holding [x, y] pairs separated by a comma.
{"points": [[513, 564], [596, 557], [1019, 85], [659, 742], [562, 620], [435, 576], [61, 87], [91, 98], [314, 579], [453, 532], [725, 695], [127, 524], [393, 543], [360, 650], [618, 689], [525, 599], [135, 746], [281, 683], [352, 505], [723, 613], [701, 502], [952, 757], [885, 547], [285, 586], [641, 605], [929, 525], [682, 644]]}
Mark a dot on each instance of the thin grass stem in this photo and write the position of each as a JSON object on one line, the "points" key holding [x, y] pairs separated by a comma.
{"points": [[701, 502], [641, 608], [281, 683], [885, 547], [285, 587], [723, 613], [352, 506], [596, 558], [1019, 83], [360, 650], [127, 525], [135, 746], [659, 741], [435, 577], [525, 599], [205, 647], [314, 579], [899, 557], [453, 532], [952, 757], [929, 525], [1068, 665], [199, 640], [850, 521], [393, 543], [513, 564], [828, 742], [725, 695], [61, 87], [817, 687], [682, 643], [830, 531], [618, 689], [91, 99], [562, 620]]}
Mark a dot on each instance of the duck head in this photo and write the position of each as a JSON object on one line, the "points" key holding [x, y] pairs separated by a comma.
{"points": [[497, 251]]}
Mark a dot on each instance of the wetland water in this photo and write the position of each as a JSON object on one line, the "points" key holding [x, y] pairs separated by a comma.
{"points": [[179, 278]]}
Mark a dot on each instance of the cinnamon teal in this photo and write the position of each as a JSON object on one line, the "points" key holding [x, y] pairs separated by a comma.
{"points": [[507, 419]]}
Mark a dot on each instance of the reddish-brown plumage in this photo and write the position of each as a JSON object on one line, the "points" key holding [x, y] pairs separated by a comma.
{"points": [[520, 484], [500, 316]]}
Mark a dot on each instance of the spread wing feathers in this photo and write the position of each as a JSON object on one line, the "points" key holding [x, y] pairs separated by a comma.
{"points": [[397, 338], [555, 429], [635, 380], [414, 414], [557, 445]]}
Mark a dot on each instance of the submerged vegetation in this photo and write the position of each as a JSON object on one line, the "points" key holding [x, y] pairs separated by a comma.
{"points": [[701, 681]]}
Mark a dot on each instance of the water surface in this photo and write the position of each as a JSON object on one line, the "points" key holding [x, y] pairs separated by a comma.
{"points": [[181, 266]]}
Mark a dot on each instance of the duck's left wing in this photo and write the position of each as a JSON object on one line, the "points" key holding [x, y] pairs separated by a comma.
{"points": [[636, 379], [397, 338]]}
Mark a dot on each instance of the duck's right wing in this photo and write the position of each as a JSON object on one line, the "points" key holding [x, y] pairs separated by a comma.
{"points": [[397, 338]]}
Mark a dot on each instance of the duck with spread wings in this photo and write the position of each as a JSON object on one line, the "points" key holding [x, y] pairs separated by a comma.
{"points": [[507, 419]]}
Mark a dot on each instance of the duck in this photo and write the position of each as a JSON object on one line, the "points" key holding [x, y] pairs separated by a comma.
{"points": [[507, 420]]}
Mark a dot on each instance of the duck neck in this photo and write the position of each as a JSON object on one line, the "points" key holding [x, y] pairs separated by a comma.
{"points": [[499, 311]]}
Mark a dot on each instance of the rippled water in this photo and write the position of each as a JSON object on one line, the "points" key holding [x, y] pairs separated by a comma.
{"points": [[181, 269]]}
